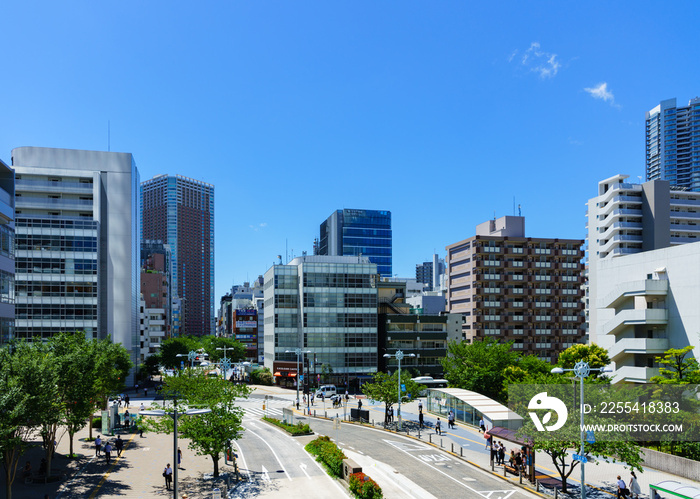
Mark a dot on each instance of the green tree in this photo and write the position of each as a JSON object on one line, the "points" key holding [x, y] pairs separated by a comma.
{"points": [[150, 366], [326, 371], [171, 347], [112, 366], [385, 388], [235, 350], [679, 367], [479, 366], [596, 357], [211, 433], [14, 414], [74, 361], [261, 376]]}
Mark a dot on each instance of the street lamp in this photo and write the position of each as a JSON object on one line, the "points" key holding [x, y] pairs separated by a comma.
{"points": [[225, 366], [582, 370], [399, 355], [190, 356], [175, 415], [297, 351]]}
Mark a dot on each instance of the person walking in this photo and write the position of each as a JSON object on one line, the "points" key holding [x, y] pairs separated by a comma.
{"points": [[482, 425], [437, 427], [634, 486], [359, 404], [420, 406], [142, 408], [108, 452], [126, 401], [502, 454], [179, 457], [168, 475], [119, 445], [98, 446], [451, 420], [621, 488], [145, 391], [420, 419]]}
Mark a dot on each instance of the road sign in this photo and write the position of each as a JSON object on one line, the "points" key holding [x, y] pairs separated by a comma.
{"points": [[590, 437], [403, 387], [301, 377], [580, 458]]}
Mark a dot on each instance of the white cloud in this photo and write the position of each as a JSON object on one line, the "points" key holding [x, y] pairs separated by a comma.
{"points": [[601, 92], [537, 60], [256, 228]]}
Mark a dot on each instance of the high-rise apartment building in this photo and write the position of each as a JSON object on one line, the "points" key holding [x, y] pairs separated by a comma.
{"points": [[641, 270], [359, 233], [7, 253], [326, 305], [673, 143], [77, 244], [180, 212], [517, 288], [430, 273]]}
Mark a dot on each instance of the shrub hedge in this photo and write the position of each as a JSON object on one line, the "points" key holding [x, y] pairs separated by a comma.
{"points": [[364, 487], [327, 453], [297, 429]]}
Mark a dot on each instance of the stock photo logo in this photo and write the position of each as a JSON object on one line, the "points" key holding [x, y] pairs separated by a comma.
{"points": [[542, 402]]}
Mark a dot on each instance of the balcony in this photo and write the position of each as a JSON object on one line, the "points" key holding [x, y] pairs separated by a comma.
{"points": [[630, 346], [646, 287], [635, 316], [620, 238], [48, 186], [631, 374]]}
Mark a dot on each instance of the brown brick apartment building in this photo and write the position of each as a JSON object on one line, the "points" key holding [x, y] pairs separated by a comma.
{"points": [[512, 287]]}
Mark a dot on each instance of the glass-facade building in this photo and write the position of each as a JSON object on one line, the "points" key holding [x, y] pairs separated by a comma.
{"points": [[359, 233], [673, 144], [180, 212], [7, 253], [326, 305]]}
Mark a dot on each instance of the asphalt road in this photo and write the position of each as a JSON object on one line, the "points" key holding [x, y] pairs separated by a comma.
{"points": [[415, 469]]}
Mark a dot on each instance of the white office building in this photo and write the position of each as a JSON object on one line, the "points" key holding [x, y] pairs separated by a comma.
{"points": [[638, 244], [77, 240]]}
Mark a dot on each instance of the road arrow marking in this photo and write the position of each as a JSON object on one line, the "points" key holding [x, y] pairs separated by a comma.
{"points": [[303, 468], [265, 476], [499, 494]]}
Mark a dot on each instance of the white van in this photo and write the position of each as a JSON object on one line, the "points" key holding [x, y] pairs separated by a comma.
{"points": [[325, 391]]}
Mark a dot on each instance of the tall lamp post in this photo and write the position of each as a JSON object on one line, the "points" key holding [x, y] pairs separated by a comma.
{"points": [[399, 355], [581, 370], [298, 351], [175, 415]]}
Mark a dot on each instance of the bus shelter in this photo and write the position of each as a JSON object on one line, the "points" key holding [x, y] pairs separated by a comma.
{"points": [[470, 407]]}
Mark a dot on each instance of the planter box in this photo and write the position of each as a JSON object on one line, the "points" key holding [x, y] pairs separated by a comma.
{"points": [[350, 467]]}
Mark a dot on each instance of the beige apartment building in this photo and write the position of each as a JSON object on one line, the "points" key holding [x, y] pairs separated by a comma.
{"points": [[512, 287]]}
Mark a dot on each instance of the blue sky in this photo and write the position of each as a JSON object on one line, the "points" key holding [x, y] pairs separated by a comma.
{"points": [[442, 112]]}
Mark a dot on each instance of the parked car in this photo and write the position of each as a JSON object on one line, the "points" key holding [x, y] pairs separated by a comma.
{"points": [[326, 391]]}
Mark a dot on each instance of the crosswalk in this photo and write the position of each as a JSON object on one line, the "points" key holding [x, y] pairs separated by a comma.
{"points": [[273, 408]]}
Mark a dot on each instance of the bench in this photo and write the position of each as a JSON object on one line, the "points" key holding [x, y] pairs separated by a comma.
{"points": [[510, 469]]}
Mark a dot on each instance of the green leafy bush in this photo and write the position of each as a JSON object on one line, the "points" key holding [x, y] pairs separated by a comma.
{"points": [[327, 453], [261, 376], [364, 487], [297, 429], [97, 422]]}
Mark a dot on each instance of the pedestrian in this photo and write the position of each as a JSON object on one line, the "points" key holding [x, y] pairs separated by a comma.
{"points": [[437, 427], [518, 462], [502, 454], [136, 389], [621, 488], [98, 446], [482, 425], [119, 445], [145, 391], [140, 431], [420, 419], [420, 406], [489, 441], [634, 486], [312, 399], [297, 403], [108, 451], [119, 401], [179, 457], [126, 401], [359, 404], [168, 475], [142, 408], [451, 420]]}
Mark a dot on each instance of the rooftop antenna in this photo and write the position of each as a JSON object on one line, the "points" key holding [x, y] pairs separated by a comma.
{"points": [[519, 212]]}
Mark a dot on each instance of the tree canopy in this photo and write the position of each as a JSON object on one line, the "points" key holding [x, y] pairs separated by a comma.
{"points": [[679, 367], [385, 388]]}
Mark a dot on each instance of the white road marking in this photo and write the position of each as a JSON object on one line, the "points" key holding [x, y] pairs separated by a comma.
{"points": [[273, 453], [303, 468], [489, 494], [245, 465], [265, 476]]}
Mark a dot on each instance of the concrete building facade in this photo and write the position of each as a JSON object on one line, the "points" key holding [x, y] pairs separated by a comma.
{"points": [[518, 288], [673, 144], [77, 239], [180, 212]]}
